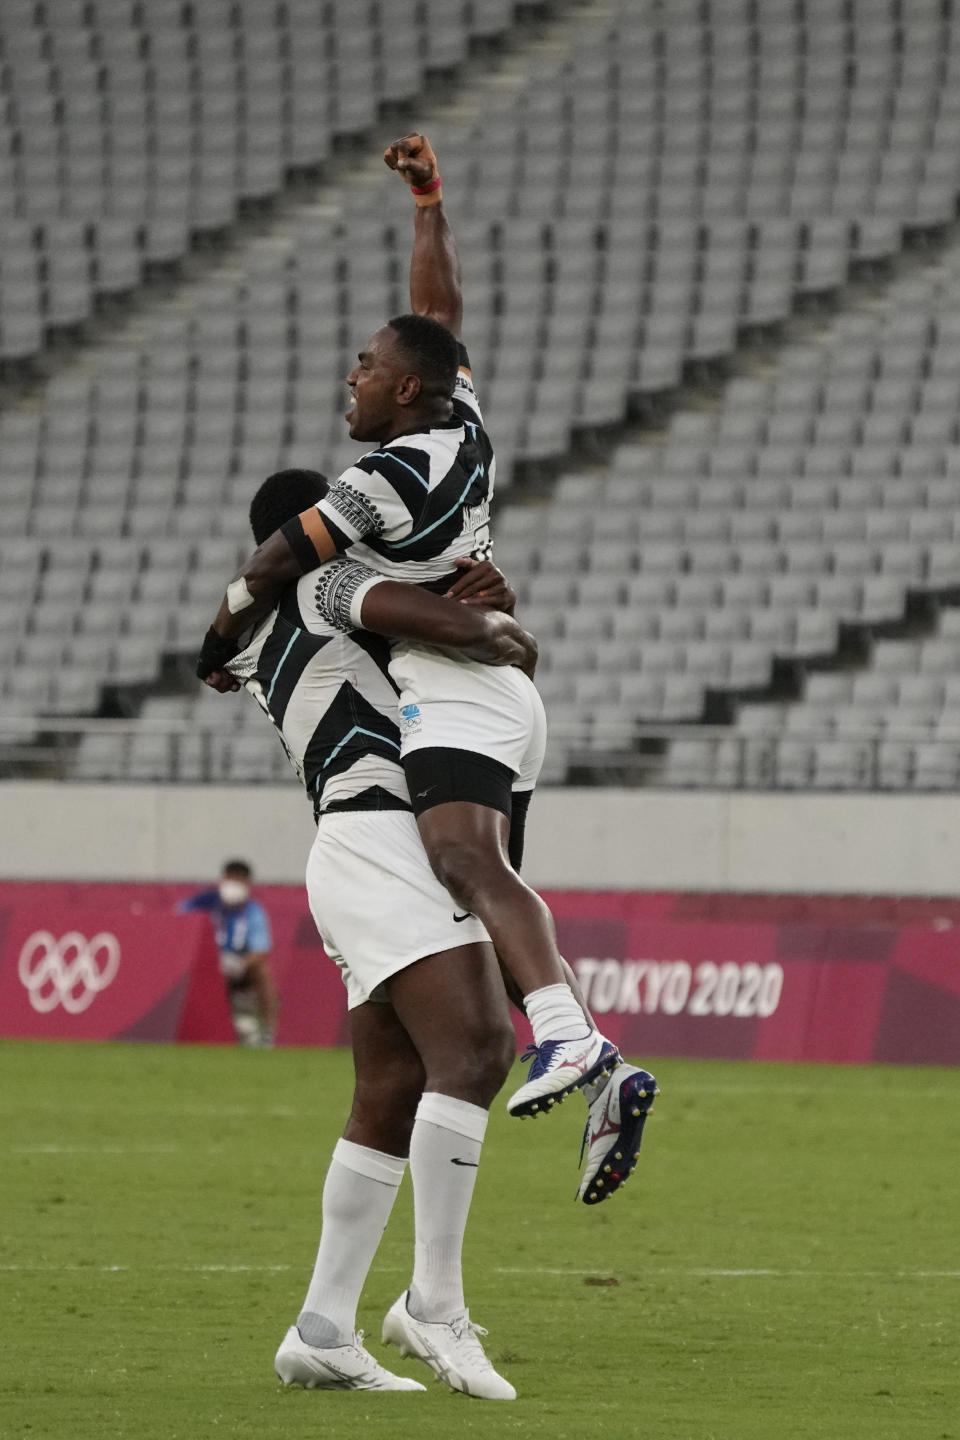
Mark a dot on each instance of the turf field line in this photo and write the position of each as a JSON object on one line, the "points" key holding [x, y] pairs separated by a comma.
{"points": [[811, 1092], [697, 1272], [199, 1112], [136, 1269], [94, 1149], [706, 1272]]}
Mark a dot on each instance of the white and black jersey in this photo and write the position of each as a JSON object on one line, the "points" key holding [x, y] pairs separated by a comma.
{"points": [[329, 694], [415, 505]]}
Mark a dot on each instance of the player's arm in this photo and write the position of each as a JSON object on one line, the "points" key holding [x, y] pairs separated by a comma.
{"points": [[434, 263], [405, 612], [481, 583], [351, 596], [298, 547]]}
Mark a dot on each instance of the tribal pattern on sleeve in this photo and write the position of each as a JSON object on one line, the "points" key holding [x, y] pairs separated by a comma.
{"points": [[337, 583], [359, 512]]}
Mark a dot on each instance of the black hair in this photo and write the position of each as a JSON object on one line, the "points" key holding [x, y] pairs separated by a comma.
{"points": [[283, 496], [237, 867], [432, 350]]}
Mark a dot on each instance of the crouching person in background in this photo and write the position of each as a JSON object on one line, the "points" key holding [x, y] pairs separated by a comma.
{"points": [[242, 932]]}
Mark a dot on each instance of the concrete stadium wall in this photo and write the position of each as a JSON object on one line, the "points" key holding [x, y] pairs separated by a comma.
{"points": [[577, 839]]}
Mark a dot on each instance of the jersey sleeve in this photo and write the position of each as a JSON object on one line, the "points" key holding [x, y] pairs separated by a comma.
{"points": [[258, 929], [371, 499], [466, 405], [340, 590]]}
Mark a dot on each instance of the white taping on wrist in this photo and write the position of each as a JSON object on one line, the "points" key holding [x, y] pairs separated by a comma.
{"points": [[238, 596]]}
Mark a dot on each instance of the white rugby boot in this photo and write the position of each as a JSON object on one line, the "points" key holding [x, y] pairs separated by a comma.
{"points": [[339, 1367], [452, 1350]]}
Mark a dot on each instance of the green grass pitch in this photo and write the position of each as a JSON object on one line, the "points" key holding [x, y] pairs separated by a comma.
{"points": [[784, 1264]]}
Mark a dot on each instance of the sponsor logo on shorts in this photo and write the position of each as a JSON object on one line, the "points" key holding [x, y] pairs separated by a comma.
{"points": [[467, 915], [70, 971]]}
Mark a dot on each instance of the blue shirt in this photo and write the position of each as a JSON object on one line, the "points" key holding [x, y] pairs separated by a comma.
{"points": [[239, 929]]}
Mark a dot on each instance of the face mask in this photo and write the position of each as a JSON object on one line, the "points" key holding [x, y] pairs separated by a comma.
{"points": [[233, 892]]}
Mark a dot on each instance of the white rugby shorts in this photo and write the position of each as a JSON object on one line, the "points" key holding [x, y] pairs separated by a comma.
{"points": [[492, 710], [377, 904]]}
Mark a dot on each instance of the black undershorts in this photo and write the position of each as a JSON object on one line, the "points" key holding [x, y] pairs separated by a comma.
{"points": [[438, 775]]}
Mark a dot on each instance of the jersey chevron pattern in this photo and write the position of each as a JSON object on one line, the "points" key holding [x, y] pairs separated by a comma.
{"points": [[329, 695], [414, 506]]}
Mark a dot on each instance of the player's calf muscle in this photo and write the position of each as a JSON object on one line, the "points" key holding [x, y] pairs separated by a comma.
{"points": [[383, 1123]]}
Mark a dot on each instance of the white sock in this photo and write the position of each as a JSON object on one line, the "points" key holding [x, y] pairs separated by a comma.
{"points": [[444, 1155], [554, 1014], [358, 1195]]}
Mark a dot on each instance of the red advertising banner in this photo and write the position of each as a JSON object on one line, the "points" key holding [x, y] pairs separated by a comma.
{"points": [[98, 972], [130, 968], [798, 991], [664, 975]]}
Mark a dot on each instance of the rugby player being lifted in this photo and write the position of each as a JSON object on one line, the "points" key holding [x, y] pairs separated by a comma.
{"points": [[411, 510]]}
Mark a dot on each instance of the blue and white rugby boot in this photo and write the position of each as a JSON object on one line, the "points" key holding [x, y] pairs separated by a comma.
{"points": [[558, 1067], [611, 1141]]}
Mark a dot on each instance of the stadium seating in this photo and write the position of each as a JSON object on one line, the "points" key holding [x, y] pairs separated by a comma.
{"points": [[129, 129], [649, 190]]}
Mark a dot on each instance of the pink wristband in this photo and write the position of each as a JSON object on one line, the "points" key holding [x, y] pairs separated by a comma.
{"points": [[428, 188]]}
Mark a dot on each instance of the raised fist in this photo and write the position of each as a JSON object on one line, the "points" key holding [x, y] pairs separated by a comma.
{"points": [[413, 159]]}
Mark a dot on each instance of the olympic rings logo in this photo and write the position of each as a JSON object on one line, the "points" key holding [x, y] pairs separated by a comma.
{"points": [[70, 971]]}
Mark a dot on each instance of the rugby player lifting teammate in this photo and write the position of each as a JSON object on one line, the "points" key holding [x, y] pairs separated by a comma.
{"points": [[407, 965], [410, 510], [429, 1025]]}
